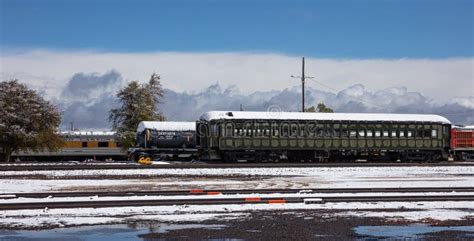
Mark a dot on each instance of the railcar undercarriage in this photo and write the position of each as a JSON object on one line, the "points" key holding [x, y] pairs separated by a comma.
{"points": [[331, 156]]}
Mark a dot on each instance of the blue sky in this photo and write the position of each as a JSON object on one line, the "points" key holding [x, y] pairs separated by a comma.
{"points": [[323, 29]]}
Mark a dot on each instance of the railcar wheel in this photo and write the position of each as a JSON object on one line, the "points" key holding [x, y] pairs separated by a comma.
{"points": [[145, 160], [148, 161]]}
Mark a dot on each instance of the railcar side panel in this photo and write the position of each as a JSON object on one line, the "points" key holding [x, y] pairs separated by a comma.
{"points": [[279, 136]]}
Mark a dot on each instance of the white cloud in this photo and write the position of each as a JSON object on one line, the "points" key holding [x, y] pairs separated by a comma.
{"points": [[49, 70], [83, 83]]}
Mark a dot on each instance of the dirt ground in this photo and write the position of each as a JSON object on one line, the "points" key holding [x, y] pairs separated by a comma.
{"points": [[302, 225]]}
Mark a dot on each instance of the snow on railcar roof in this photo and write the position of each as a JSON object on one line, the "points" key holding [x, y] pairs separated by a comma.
{"points": [[461, 127], [88, 133], [216, 115], [166, 126]]}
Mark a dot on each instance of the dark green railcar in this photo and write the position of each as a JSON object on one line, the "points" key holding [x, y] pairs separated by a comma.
{"points": [[262, 136]]}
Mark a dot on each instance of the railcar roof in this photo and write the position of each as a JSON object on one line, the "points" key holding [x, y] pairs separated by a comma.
{"points": [[87, 133], [471, 127], [248, 115], [166, 126]]}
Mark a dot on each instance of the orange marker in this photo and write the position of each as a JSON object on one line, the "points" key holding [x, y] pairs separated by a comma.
{"points": [[213, 193], [253, 199], [196, 191], [276, 201]]}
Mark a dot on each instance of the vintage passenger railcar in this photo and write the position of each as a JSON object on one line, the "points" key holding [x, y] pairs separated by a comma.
{"points": [[79, 146], [257, 136]]}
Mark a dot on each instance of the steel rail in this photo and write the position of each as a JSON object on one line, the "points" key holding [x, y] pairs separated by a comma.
{"points": [[233, 191], [217, 165], [220, 201]]}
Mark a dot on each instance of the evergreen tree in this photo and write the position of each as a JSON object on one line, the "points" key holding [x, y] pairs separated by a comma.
{"points": [[27, 121], [138, 102]]}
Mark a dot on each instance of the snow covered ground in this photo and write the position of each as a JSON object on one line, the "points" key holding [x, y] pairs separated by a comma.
{"points": [[238, 178], [229, 172], [415, 211]]}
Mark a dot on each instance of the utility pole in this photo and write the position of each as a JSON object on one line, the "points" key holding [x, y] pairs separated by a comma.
{"points": [[303, 78]]}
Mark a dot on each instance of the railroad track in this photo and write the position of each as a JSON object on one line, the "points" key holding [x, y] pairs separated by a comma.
{"points": [[221, 201], [127, 166], [234, 191], [251, 198]]}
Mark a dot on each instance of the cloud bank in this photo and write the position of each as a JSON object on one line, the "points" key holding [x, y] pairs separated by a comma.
{"points": [[87, 99], [83, 83], [440, 79], [354, 99]]}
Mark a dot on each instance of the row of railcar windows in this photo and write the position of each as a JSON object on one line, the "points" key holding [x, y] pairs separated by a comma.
{"points": [[294, 132]]}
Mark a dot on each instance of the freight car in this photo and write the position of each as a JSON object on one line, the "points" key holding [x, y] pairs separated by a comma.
{"points": [[164, 140], [79, 146], [258, 136], [462, 142]]}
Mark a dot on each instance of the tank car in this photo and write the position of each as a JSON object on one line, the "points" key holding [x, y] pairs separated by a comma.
{"points": [[164, 140]]}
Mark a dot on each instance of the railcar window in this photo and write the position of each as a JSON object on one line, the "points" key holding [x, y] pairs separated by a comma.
{"points": [[385, 133], [103, 144], [369, 133], [402, 134], [310, 129], [353, 133], [214, 130], [302, 134], [427, 133], [276, 132], [319, 132], [84, 144], [377, 133], [344, 133], [310, 132], [434, 133], [409, 133], [294, 130], [285, 130], [229, 131], [337, 133], [446, 129], [361, 133], [394, 133]]}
